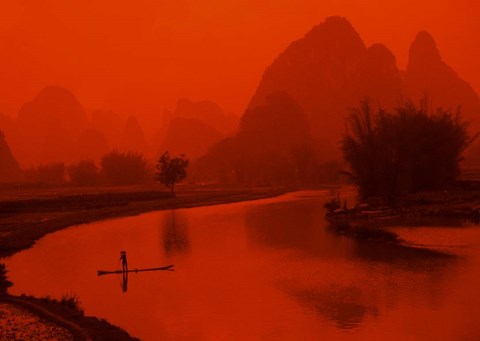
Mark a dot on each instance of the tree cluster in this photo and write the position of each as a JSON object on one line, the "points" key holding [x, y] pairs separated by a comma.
{"points": [[408, 150]]}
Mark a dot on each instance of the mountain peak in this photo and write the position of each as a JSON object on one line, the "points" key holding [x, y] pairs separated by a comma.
{"points": [[424, 49]]}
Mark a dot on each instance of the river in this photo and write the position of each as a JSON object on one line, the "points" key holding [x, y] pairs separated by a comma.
{"points": [[268, 269]]}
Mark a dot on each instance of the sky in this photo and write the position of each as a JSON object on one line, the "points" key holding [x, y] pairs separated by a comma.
{"points": [[138, 57]]}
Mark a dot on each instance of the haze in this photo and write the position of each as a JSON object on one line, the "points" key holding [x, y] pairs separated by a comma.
{"points": [[139, 57]]}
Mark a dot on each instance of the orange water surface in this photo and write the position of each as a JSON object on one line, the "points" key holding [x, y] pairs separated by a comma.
{"points": [[269, 269]]}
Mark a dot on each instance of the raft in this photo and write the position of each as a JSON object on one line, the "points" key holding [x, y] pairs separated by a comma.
{"points": [[163, 268]]}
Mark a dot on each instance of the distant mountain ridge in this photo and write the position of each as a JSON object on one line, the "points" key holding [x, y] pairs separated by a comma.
{"points": [[330, 70]]}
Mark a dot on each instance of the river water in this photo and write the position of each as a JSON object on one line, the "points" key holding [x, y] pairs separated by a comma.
{"points": [[268, 269]]}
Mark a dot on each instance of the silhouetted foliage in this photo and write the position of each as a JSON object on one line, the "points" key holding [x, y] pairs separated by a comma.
{"points": [[171, 170], [4, 282], [124, 168], [51, 174], [83, 173], [406, 151]]}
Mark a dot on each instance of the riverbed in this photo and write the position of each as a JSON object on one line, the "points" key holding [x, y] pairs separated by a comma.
{"points": [[269, 269]]}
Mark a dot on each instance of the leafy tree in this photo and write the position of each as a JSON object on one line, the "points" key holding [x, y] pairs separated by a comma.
{"points": [[171, 170], [51, 174], [83, 173], [409, 150], [124, 168]]}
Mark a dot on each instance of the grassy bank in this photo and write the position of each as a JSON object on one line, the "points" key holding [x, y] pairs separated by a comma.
{"points": [[23, 219]]}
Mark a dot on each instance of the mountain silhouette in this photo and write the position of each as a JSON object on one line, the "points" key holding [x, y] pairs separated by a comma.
{"points": [[428, 75], [133, 137], [92, 145], [316, 71], [327, 72], [189, 136], [109, 124], [271, 147], [9, 168], [192, 128], [47, 126], [208, 112]]}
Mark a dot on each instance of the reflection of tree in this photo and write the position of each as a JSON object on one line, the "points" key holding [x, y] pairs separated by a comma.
{"points": [[175, 234]]}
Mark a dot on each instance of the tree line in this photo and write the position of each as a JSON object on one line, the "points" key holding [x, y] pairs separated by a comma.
{"points": [[115, 168]]}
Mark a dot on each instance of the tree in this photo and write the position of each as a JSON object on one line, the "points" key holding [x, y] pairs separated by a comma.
{"points": [[124, 168], [409, 150], [83, 173], [50, 174], [171, 170]]}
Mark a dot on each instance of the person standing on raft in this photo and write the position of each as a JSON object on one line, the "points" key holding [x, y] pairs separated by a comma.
{"points": [[123, 258]]}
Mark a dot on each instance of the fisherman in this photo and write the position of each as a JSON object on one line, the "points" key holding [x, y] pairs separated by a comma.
{"points": [[123, 258]]}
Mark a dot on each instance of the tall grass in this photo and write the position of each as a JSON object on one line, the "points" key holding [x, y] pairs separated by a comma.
{"points": [[407, 150]]}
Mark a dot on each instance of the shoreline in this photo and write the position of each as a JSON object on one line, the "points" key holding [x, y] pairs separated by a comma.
{"points": [[457, 203], [24, 221]]}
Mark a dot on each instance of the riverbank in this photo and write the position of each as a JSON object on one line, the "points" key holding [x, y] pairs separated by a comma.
{"points": [[25, 220], [460, 202], [27, 318]]}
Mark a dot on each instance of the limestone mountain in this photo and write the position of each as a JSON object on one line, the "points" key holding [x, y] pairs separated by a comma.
{"points": [[330, 70], [47, 126], [192, 128], [208, 112], [428, 75], [109, 124], [133, 137], [316, 71], [9, 168], [271, 147], [189, 136]]}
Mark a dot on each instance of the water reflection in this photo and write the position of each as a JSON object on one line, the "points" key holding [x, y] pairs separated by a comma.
{"points": [[366, 275], [343, 306], [175, 234], [264, 270], [124, 282]]}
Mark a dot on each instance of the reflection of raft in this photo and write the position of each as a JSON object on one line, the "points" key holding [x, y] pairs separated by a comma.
{"points": [[168, 268]]}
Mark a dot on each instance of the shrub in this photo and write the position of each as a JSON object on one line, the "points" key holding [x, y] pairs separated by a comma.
{"points": [[408, 150]]}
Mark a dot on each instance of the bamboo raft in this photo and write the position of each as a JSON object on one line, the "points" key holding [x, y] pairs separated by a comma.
{"points": [[163, 268]]}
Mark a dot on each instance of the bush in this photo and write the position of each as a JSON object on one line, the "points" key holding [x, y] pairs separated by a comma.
{"points": [[51, 174], [83, 173], [124, 168], [406, 151]]}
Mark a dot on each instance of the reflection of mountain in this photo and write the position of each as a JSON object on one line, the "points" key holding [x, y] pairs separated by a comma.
{"points": [[296, 225], [176, 238], [343, 306]]}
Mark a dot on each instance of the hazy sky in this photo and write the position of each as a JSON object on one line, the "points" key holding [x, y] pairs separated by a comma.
{"points": [[140, 56]]}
